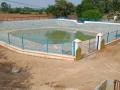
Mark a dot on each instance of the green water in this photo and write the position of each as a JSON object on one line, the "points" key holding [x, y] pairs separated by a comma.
{"points": [[52, 36]]}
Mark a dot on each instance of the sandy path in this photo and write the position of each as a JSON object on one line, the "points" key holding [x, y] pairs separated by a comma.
{"points": [[48, 74]]}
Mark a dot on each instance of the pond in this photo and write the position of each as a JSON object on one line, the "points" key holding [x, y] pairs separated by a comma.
{"points": [[53, 36]]}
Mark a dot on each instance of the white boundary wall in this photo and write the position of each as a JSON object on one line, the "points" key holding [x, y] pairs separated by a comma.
{"points": [[106, 85], [92, 22], [71, 20]]}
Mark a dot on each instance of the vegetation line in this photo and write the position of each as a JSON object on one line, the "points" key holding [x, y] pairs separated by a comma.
{"points": [[88, 9]]}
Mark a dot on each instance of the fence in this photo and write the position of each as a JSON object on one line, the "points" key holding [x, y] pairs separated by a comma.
{"points": [[86, 19], [60, 48], [110, 36], [64, 48], [37, 45], [88, 47]]}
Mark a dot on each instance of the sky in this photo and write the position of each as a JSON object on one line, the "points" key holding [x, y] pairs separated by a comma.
{"points": [[36, 3]]}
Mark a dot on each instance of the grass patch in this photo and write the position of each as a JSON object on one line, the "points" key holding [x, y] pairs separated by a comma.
{"points": [[82, 36], [58, 36]]}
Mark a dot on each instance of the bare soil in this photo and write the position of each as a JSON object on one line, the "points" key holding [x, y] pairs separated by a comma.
{"points": [[51, 74], [8, 16], [15, 16]]}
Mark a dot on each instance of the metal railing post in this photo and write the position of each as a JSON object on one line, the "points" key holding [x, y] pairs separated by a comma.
{"points": [[22, 42], [108, 37], [116, 34], [73, 48], [9, 38], [47, 46], [89, 44], [62, 47]]}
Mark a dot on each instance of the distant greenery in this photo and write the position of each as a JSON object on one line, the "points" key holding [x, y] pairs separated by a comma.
{"points": [[63, 8], [94, 13], [58, 36], [6, 8], [97, 8], [82, 36]]}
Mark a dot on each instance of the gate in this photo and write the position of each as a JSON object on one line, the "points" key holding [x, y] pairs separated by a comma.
{"points": [[88, 47]]}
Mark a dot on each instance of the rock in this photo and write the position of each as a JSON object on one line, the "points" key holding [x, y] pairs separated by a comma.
{"points": [[15, 70]]}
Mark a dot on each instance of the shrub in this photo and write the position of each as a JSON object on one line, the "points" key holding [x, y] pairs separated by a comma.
{"points": [[94, 13]]}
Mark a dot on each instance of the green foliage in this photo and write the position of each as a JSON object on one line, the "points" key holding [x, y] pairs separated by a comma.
{"points": [[62, 8], [87, 5], [100, 6], [78, 54], [78, 10], [82, 36], [116, 5], [5, 7], [84, 6], [104, 5], [25, 10], [51, 9], [94, 13], [58, 36]]}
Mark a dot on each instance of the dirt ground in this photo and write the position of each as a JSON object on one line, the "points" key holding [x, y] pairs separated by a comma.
{"points": [[8, 16], [23, 16], [49, 74]]}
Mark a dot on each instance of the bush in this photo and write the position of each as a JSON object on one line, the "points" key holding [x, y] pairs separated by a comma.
{"points": [[94, 13]]}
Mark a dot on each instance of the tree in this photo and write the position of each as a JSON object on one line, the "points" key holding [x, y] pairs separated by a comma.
{"points": [[92, 14], [5, 7], [62, 8], [79, 10], [116, 5], [105, 6], [84, 6], [51, 10], [100, 6], [70, 8], [17, 10]]}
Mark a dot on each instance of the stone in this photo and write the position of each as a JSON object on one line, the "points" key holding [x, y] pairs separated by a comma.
{"points": [[15, 70]]}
